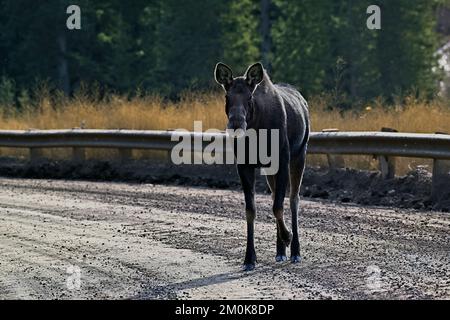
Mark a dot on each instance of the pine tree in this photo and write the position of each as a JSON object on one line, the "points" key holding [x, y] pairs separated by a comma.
{"points": [[241, 38], [301, 45], [406, 47]]}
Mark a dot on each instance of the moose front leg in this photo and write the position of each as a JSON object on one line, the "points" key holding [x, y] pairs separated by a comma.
{"points": [[247, 175]]}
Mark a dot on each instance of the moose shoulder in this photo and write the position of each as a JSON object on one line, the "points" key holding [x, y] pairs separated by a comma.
{"points": [[253, 102]]}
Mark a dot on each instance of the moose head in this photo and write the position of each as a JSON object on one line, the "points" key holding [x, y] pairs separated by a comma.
{"points": [[239, 103]]}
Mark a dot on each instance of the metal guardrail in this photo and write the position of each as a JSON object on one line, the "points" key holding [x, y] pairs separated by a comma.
{"points": [[415, 145], [86, 138], [435, 146], [382, 144]]}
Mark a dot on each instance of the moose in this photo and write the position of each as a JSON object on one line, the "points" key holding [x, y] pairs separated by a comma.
{"points": [[253, 101]]}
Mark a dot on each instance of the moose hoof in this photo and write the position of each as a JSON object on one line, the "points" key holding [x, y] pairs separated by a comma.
{"points": [[280, 258], [295, 259], [249, 267]]}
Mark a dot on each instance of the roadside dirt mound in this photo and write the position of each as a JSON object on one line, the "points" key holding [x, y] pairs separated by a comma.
{"points": [[344, 185], [368, 188]]}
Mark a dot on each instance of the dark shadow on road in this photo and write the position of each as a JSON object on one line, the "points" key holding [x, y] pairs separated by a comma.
{"points": [[170, 291]]}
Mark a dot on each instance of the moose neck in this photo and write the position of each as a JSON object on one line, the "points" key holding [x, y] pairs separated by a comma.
{"points": [[261, 103]]}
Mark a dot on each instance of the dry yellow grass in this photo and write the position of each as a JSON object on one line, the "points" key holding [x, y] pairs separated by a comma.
{"points": [[151, 112], [148, 112]]}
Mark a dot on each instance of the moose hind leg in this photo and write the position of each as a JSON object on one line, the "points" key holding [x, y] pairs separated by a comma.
{"points": [[271, 183], [281, 246], [297, 166], [283, 235]]}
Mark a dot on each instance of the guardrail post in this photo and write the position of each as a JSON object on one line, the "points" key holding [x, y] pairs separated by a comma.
{"points": [[78, 154], [169, 152], [36, 154], [335, 161], [125, 154], [387, 164], [441, 177]]}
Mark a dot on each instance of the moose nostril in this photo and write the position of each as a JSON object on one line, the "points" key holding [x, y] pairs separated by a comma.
{"points": [[236, 122], [235, 125], [236, 133], [239, 133]]}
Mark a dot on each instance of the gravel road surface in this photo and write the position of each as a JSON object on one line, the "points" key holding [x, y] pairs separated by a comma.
{"points": [[101, 240]]}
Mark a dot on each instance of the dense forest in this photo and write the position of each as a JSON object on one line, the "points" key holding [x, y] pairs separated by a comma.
{"points": [[168, 46]]}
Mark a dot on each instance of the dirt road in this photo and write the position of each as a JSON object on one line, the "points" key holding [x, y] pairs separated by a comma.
{"points": [[61, 239]]}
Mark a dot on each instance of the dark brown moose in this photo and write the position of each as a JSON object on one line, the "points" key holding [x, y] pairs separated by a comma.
{"points": [[254, 102]]}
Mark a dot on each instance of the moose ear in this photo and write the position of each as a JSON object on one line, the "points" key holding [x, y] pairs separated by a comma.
{"points": [[223, 75], [254, 75]]}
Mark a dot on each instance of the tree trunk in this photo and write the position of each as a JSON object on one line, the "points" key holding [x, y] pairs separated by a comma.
{"points": [[352, 55], [266, 42], [63, 70]]}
